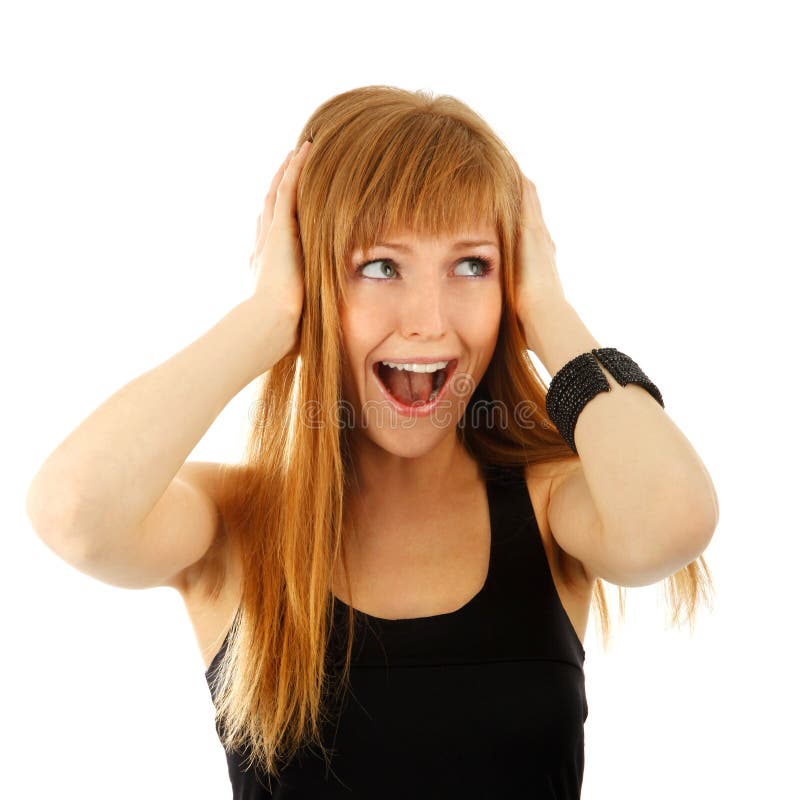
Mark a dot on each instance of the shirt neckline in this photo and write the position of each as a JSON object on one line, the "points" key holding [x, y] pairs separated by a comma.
{"points": [[446, 615]]}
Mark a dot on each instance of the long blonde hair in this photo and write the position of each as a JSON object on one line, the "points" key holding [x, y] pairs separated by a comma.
{"points": [[384, 159]]}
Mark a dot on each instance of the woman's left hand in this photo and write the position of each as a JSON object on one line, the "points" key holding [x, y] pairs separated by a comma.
{"points": [[537, 280]]}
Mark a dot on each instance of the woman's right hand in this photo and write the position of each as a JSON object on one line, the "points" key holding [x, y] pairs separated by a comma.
{"points": [[278, 255]]}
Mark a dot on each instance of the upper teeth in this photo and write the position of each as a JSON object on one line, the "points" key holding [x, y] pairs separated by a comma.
{"points": [[417, 367]]}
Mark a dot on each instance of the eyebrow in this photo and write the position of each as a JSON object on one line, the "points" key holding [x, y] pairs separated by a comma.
{"points": [[465, 243]]}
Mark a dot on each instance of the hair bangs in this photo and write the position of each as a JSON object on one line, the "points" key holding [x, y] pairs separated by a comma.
{"points": [[431, 178]]}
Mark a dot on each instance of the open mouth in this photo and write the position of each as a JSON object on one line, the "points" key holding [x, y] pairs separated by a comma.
{"points": [[410, 388]]}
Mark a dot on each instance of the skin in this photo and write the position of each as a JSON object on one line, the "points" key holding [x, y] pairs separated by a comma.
{"points": [[423, 303]]}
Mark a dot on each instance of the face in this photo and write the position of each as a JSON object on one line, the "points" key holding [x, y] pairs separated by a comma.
{"points": [[419, 300]]}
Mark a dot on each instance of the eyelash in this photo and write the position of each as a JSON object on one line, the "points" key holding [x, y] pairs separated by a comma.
{"points": [[485, 263]]}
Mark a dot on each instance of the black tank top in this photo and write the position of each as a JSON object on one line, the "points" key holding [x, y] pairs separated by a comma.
{"points": [[487, 702]]}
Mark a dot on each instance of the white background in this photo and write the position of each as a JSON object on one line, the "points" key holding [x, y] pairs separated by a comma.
{"points": [[138, 142]]}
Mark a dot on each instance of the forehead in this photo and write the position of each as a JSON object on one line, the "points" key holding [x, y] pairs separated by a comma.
{"points": [[469, 236]]}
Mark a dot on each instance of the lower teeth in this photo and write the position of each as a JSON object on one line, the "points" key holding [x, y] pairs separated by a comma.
{"points": [[433, 394], [436, 390]]}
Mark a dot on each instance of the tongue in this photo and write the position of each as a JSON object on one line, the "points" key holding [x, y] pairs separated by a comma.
{"points": [[409, 387]]}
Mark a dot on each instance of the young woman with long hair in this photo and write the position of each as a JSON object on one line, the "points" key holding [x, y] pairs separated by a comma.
{"points": [[391, 590]]}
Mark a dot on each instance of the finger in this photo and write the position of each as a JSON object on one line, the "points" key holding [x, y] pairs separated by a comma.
{"points": [[276, 178], [265, 217], [295, 164], [532, 198], [287, 189]]}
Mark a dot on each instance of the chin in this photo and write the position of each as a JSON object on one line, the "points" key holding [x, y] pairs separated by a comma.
{"points": [[406, 443]]}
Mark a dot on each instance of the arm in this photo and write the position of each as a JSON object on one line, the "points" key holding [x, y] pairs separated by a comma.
{"points": [[110, 499], [107, 476], [639, 504], [641, 487]]}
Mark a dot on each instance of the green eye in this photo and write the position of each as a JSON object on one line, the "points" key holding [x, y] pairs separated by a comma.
{"points": [[367, 264], [484, 265], [390, 268]]}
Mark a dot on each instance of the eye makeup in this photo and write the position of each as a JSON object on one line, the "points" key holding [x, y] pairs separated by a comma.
{"points": [[486, 267]]}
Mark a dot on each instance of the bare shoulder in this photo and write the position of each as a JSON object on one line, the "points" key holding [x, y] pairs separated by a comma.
{"points": [[574, 587], [551, 470], [219, 561], [211, 589], [543, 480]]}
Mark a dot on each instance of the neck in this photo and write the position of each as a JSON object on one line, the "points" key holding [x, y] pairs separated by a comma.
{"points": [[393, 478], [403, 500]]}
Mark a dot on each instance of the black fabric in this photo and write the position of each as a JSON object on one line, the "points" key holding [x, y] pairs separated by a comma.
{"points": [[486, 702]]}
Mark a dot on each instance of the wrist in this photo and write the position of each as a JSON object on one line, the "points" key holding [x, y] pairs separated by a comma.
{"points": [[556, 334], [272, 331]]}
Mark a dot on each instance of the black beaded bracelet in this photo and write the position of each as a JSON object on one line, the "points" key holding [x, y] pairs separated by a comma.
{"points": [[581, 379]]}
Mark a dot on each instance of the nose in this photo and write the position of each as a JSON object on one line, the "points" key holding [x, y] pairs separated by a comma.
{"points": [[422, 312]]}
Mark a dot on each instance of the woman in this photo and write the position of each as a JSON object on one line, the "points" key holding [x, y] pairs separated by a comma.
{"points": [[391, 591]]}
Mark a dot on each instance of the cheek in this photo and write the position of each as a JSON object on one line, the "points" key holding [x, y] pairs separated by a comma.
{"points": [[484, 328], [485, 313], [364, 314], [357, 329], [359, 332]]}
